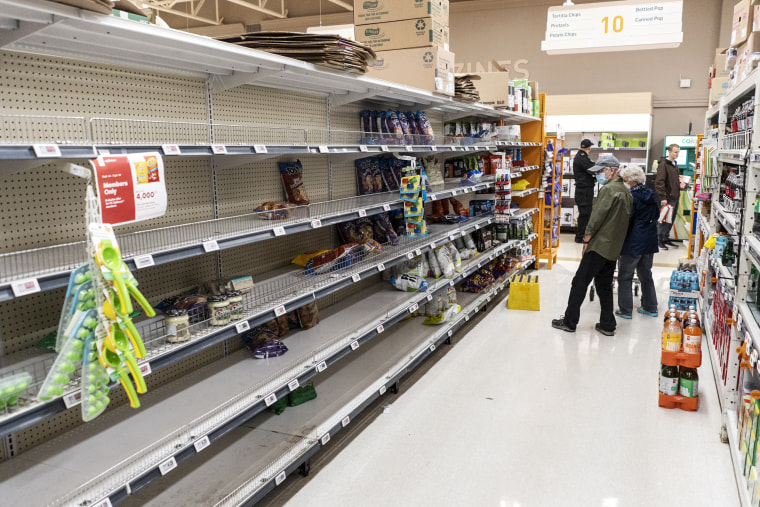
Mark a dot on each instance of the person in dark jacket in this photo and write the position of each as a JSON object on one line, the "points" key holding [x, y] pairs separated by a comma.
{"points": [[639, 247], [604, 239], [584, 187], [668, 189]]}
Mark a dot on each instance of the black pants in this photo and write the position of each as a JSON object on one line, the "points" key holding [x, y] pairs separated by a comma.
{"points": [[663, 229], [584, 197], [592, 267]]}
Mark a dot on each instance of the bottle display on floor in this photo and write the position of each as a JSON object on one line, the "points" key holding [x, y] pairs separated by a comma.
{"points": [[671, 335], [680, 357], [689, 383], [669, 376]]}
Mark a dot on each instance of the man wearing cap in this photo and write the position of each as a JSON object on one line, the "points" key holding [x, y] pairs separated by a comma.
{"points": [[584, 187], [605, 234]]}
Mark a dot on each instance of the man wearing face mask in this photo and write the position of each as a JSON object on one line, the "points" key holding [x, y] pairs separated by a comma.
{"points": [[603, 242]]}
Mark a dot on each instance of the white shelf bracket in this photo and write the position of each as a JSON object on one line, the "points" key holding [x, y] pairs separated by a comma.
{"points": [[19, 31], [223, 83], [348, 98]]}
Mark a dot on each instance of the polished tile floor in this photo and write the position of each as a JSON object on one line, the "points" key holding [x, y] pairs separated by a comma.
{"points": [[518, 414]]}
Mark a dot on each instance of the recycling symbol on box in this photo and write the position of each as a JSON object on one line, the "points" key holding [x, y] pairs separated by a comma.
{"points": [[427, 57], [420, 24]]}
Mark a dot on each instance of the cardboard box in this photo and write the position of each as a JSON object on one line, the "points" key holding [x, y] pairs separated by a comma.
{"points": [[720, 63], [742, 21], [129, 15], [433, 68], [382, 11], [493, 88], [718, 90], [410, 33]]}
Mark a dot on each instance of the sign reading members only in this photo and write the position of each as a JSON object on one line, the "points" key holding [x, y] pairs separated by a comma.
{"points": [[613, 26]]}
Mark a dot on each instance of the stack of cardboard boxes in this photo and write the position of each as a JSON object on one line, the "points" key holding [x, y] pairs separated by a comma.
{"points": [[411, 39], [734, 64]]}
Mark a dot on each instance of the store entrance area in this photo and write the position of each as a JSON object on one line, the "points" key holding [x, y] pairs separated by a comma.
{"points": [[518, 414]]}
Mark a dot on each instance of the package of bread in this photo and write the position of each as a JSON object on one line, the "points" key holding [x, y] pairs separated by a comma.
{"points": [[308, 315]]}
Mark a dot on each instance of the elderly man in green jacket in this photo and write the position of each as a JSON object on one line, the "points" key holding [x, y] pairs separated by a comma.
{"points": [[604, 239]]}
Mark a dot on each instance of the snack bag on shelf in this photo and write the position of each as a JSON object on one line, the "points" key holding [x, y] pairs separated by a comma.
{"points": [[292, 178]]}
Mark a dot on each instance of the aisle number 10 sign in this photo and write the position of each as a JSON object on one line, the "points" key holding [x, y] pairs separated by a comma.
{"points": [[613, 26]]}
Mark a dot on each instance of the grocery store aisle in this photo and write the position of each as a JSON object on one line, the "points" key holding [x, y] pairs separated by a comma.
{"points": [[518, 414]]}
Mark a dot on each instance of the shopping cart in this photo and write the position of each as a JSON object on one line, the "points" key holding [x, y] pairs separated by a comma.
{"points": [[592, 290]]}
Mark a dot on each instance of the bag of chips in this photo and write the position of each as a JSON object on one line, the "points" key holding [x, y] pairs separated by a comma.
{"points": [[263, 343], [442, 316], [455, 257], [366, 228], [365, 175], [292, 178], [308, 315], [435, 268], [384, 231], [407, 283], [445, 261], [349, 232]]}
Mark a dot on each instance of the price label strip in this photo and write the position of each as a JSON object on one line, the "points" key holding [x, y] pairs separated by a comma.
{"points": [[167, 466], [144, 261], [202, 443]]}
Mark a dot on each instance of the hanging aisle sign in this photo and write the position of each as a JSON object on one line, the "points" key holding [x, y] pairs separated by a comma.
{"points": [[613, 26], [131, 188]]}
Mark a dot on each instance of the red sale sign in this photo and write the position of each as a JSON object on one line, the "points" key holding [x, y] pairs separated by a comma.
{"points": [[131, 188]]}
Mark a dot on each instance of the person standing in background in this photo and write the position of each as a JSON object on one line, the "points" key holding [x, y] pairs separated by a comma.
{"points": [[667, 186], [604, 239], [639, 247], [584, 187]]}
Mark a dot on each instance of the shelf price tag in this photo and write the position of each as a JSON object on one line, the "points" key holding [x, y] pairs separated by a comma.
{"points": [[260, 148], [323, 149], [451, 332], [452, 237], [408, 148], [316, 224], [363, 148], [242, 326], [218, 149], [321, 367], [293, 385], [432, 347], [362, 212], [24, 287], [386, 207], [280, 311], [324, 439], [202, 443], [271, 398], [414, 308], [210, 246], [432, 245], [384, 148], [429, 297], [73, 399], [453, 148], [280, 477], [106, 502], [466, 318], [357, 277], [382, 390], [418, 252], [380, 329], [432, 197], [381, 267], [410, 255], [354, 345], [434, 148], [451, 283], [279, 231], [171, 149], [145, 369], [344, 422], [46, 150], [167, 466], [477, 226], [144, 261]]}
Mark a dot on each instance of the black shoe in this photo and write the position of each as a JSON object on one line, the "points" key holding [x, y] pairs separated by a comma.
{"points": [[598, 327], [578, 240], [663, 246], [671, 244], [561, 324]]}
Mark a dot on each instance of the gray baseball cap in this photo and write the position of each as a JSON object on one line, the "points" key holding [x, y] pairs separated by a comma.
{"points": [[604, 162]]}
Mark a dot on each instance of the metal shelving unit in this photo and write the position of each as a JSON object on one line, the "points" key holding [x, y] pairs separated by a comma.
{"points": [[243, 111]]}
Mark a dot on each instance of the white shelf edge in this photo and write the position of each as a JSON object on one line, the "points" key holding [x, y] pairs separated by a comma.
{"points": [[733, 440]]}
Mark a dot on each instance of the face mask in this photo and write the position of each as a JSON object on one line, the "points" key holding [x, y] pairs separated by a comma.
{"points": [[601, 178]]}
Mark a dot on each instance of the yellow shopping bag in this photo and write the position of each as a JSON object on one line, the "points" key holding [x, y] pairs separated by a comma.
{"points": [[524, 294]]}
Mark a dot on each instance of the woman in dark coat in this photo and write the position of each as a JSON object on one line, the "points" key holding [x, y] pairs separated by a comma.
{"points": [[639, 247]]}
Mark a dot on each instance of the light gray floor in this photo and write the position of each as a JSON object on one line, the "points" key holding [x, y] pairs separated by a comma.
{"points": [[521, 415]]}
